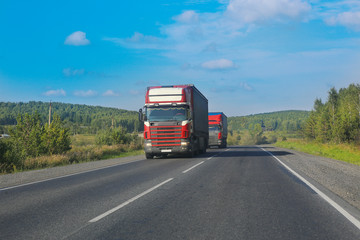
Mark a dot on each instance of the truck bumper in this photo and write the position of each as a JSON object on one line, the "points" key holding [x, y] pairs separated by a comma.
{"points": [[184, 148]]}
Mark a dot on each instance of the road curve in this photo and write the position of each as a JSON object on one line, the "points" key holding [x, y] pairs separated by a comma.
{"points": [[233, 193]]}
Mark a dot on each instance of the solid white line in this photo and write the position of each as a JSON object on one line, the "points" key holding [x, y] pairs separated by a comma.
{"points": [[193, 167], [68, 175], [352, 219], [128, 201]]}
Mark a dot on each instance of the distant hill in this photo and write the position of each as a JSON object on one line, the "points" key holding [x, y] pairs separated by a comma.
{"points": [[289, 121], [80, 118]]}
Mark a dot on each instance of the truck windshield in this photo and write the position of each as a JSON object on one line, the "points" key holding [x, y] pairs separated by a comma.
{"points": [[167, 113], [214, 128]]}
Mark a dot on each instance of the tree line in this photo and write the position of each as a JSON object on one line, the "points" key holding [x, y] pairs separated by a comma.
{"points": [[288, 121], [78, 118], [338, 119]]}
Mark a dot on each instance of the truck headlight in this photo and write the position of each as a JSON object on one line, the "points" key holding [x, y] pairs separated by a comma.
{"points": [[148, 144], [185, 143]]}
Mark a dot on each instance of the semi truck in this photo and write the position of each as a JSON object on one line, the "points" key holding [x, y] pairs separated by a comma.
{"points": [[217, 129], [175, 121]]}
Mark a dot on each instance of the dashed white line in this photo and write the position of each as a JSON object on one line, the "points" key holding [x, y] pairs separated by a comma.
{"points": [[341, 210], [128, 201], [193, 167]]}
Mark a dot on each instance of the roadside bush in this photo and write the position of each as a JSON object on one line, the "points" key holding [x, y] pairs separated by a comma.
{"points": [[30, 139], [12, 156], [114, 136]]}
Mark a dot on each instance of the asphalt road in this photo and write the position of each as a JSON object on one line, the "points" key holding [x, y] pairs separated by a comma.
{"points": [[234, 193]]}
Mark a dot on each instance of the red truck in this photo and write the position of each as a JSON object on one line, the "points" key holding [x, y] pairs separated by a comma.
{"points": [[175, 121], [217, 129]]}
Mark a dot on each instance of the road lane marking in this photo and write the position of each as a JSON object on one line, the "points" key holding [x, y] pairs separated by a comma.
{"points": [[218, 154], [128, 201], [193, 167], [341, 210]]}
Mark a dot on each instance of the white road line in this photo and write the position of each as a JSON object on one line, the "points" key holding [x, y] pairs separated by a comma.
{"points": [[68, 175], [193, 167], [341, 210], [128, 201]]}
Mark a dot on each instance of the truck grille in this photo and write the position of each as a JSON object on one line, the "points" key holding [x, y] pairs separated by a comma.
{"points": [[165, 132], [165, 136]]}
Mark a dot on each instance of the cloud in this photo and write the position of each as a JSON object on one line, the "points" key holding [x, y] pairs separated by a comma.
{"points": [[250, 11], [77, 39], [89, 93], [70, 72], [208, 32], [226, 86], [110, 93], [187, 17], [134, 92], [55, 93], [348, 19], [220, 64]]}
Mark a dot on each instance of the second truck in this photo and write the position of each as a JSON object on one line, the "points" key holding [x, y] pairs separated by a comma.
{"points": [[175, 121], [217, 129]]}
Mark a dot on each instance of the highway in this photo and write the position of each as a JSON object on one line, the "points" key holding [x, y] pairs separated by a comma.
{"points": [[232, 193]]}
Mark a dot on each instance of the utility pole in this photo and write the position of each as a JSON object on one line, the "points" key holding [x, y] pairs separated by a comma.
{"points": [[50, 113]]}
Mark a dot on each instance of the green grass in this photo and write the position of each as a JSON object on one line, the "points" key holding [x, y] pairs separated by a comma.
{"points": [[83, 139], [124, 154], [343, 152]]}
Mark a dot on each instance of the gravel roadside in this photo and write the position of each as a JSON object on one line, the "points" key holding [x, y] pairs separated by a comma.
{"points": [[341, 178], [9, 180]]}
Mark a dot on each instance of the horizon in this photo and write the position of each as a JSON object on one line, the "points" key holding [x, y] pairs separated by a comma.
{"points": [[291, 110], [247, 58]]}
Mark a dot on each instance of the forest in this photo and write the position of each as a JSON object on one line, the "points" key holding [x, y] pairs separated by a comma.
{"points": [[338, 119], [289, 121], [266, 127], [80, 119]]}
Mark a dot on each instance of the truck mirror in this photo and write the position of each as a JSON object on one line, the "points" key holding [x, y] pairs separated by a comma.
{"points": [[141, 115]]}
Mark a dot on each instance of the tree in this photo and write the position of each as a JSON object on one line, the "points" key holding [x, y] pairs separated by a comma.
{"points": [[27, 133], [56, 138]]}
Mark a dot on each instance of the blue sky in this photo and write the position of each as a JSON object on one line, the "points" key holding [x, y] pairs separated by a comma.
{"points": [[246, 56]]}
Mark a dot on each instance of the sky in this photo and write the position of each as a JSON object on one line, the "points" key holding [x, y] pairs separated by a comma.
{"points": [[245, 56]]}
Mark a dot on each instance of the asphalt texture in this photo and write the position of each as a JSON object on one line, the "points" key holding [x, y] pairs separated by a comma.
{"points": [[233, 193]]}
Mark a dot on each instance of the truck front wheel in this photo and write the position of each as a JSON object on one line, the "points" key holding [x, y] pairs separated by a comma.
{"points": [[149, 156]]}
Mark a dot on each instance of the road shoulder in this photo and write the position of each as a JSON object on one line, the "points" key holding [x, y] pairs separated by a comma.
{"points": [[339, 177], [20, 178]]}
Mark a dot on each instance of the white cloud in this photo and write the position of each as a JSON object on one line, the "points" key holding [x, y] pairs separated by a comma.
{"points": [[70, 72], [135, 92], [77, 39], [250, 11], [220, 64], [138, 40], [89, 93], [245, 86], [348, 19], [187, 17], [110, 93], [55, 93]]}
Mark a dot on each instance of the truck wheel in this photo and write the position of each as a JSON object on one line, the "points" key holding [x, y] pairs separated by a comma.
{"points": [[149, 156]]}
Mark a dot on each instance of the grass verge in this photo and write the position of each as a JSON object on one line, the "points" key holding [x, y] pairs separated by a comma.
{"points": [[81, 154], [343, 152]]}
